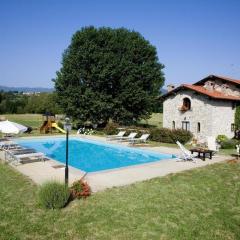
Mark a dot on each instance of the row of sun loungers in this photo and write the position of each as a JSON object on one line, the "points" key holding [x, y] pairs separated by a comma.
{"points": [[131, 138], [3, 139], [16, 154]]}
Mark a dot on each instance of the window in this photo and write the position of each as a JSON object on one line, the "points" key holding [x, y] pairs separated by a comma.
{"points": [[198, 127], [173, 125], [185, 125], [232, 127], [186, 105]]}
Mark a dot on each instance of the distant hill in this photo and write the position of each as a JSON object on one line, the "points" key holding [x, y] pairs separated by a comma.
{"points": [[40, 89], [25, 89]]}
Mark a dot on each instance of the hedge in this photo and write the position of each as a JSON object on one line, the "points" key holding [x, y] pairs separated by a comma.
{"points": [[166, 135]]}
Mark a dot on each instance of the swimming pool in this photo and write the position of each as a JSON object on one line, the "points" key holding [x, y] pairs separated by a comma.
{"points": [[92, 156]]}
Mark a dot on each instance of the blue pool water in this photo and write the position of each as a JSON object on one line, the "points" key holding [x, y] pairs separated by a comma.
{"points": [[92, 156]]}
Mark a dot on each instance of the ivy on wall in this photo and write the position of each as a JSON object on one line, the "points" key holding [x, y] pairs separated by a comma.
{"points": [[237, 117]]}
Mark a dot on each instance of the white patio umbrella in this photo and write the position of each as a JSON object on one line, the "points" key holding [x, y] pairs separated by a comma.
{"points": [[9, 127]]}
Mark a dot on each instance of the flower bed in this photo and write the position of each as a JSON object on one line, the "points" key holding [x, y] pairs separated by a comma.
{"points": [[80, 189]]}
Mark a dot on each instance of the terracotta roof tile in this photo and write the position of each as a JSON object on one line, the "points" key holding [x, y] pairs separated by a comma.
{"points": [[198, 87]]}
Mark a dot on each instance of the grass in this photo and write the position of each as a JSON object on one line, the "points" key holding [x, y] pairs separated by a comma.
{"points": [[227, 151], [202, 203], [32, 120], [155, 120]]}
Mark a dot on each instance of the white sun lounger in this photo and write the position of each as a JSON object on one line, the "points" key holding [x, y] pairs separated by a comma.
{"points": [[131, 136], [114, 137], [186, 154], [6, 142], [142, 139], [9, 145], [16, 159]]}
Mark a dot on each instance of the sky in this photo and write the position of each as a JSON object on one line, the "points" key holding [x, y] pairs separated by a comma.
{"points": [[194, 38]]}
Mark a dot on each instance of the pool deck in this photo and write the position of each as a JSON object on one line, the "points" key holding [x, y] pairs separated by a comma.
{"points": [[40, 172]]}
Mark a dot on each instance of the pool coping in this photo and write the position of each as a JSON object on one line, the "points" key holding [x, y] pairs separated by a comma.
{"points": [[40, 172]]}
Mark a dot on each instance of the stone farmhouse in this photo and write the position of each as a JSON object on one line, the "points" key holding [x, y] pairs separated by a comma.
{"points": [[206, 108]]}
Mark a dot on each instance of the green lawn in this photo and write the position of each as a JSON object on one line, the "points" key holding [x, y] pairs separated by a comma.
{"points": [[32, 120], [155, 120], [200, 204]]}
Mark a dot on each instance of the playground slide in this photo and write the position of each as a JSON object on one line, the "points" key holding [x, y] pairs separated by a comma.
{"points": [[43, 126], [58, 128]]}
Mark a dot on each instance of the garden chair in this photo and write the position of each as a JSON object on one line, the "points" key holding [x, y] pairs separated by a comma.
{"points": [[22, 151], [186, 154], [142, 139], [8, 145], [115, 137], [16, 159], [4, 139], [132, 135]]}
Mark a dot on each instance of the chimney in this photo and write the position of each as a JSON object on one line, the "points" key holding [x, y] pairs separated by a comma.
{"points": [[170, 87]]}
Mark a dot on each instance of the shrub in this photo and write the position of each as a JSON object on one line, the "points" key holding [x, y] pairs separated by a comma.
{"points": [[85, 131], [221, 138], [182, 136], [77, 124], [111, 128], [161, 135], [53, 195], [229, 144], [60, 124], [166, 135], [80, 189]]}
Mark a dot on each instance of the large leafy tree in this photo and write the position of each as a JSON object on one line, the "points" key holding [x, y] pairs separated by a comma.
{"points": [[109, 73]]}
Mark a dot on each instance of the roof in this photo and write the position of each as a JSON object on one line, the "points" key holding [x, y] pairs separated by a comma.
{"points": [[200, 89], [212, 94], [235, 81]]}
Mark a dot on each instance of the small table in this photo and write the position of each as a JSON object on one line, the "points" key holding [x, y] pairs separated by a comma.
{"points": [[204, 152], [235, 155]]}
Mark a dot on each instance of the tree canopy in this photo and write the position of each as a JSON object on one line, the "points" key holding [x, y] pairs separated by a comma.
{"points": [[109, 73]]}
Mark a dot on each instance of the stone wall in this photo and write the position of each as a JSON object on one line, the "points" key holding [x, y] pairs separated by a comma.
{"points": [[223, 118], [225, 88], [215, 117]]}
